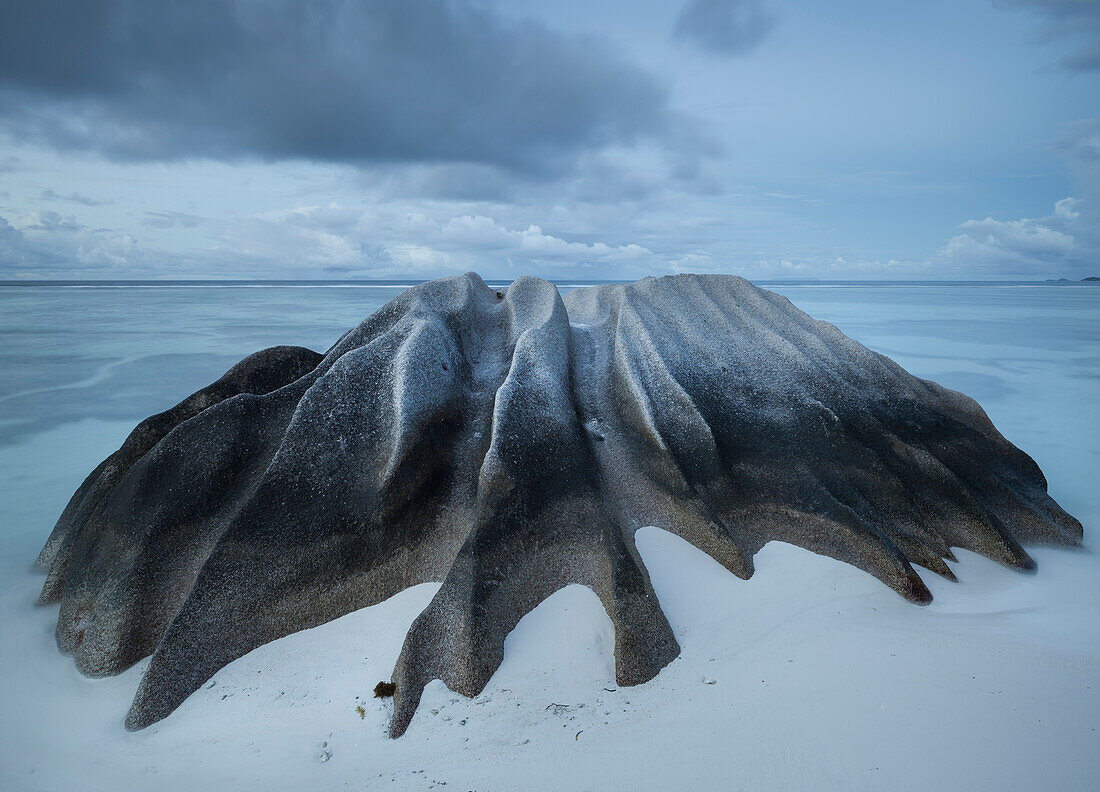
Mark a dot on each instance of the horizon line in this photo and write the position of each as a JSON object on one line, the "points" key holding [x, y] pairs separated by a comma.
{"points": [[153, 282]]}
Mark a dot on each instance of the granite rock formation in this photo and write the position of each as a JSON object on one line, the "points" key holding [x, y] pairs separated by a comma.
{"points": [[509, 443]]}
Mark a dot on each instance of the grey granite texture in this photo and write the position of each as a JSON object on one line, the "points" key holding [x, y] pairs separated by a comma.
{"points": [[509, 443]]}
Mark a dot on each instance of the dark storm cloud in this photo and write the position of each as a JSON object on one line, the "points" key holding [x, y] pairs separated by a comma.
{"points": [[1074, 20], [362, 81], [727, 27]]}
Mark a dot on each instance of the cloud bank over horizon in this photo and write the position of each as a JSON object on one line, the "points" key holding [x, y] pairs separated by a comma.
{"points": [[336, 139]]}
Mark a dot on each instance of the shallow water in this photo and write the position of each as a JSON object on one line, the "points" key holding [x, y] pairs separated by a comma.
{"points": [[80, 366]]}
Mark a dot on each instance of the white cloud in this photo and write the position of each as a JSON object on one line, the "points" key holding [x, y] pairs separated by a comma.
{"points": [[47, 244], [369, 242], [1065, 243]]}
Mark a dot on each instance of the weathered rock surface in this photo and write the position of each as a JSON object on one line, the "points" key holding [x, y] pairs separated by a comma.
{"points": [[509, 443]]}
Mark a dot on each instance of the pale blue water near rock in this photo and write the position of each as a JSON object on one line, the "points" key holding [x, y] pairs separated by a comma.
{"points": [[79, 366]]}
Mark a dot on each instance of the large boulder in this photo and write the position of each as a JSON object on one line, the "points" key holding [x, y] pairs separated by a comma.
{"points": [[509, 443]]}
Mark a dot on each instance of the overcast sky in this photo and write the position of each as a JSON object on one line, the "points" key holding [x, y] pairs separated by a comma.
{"points": [[572, 139]]}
